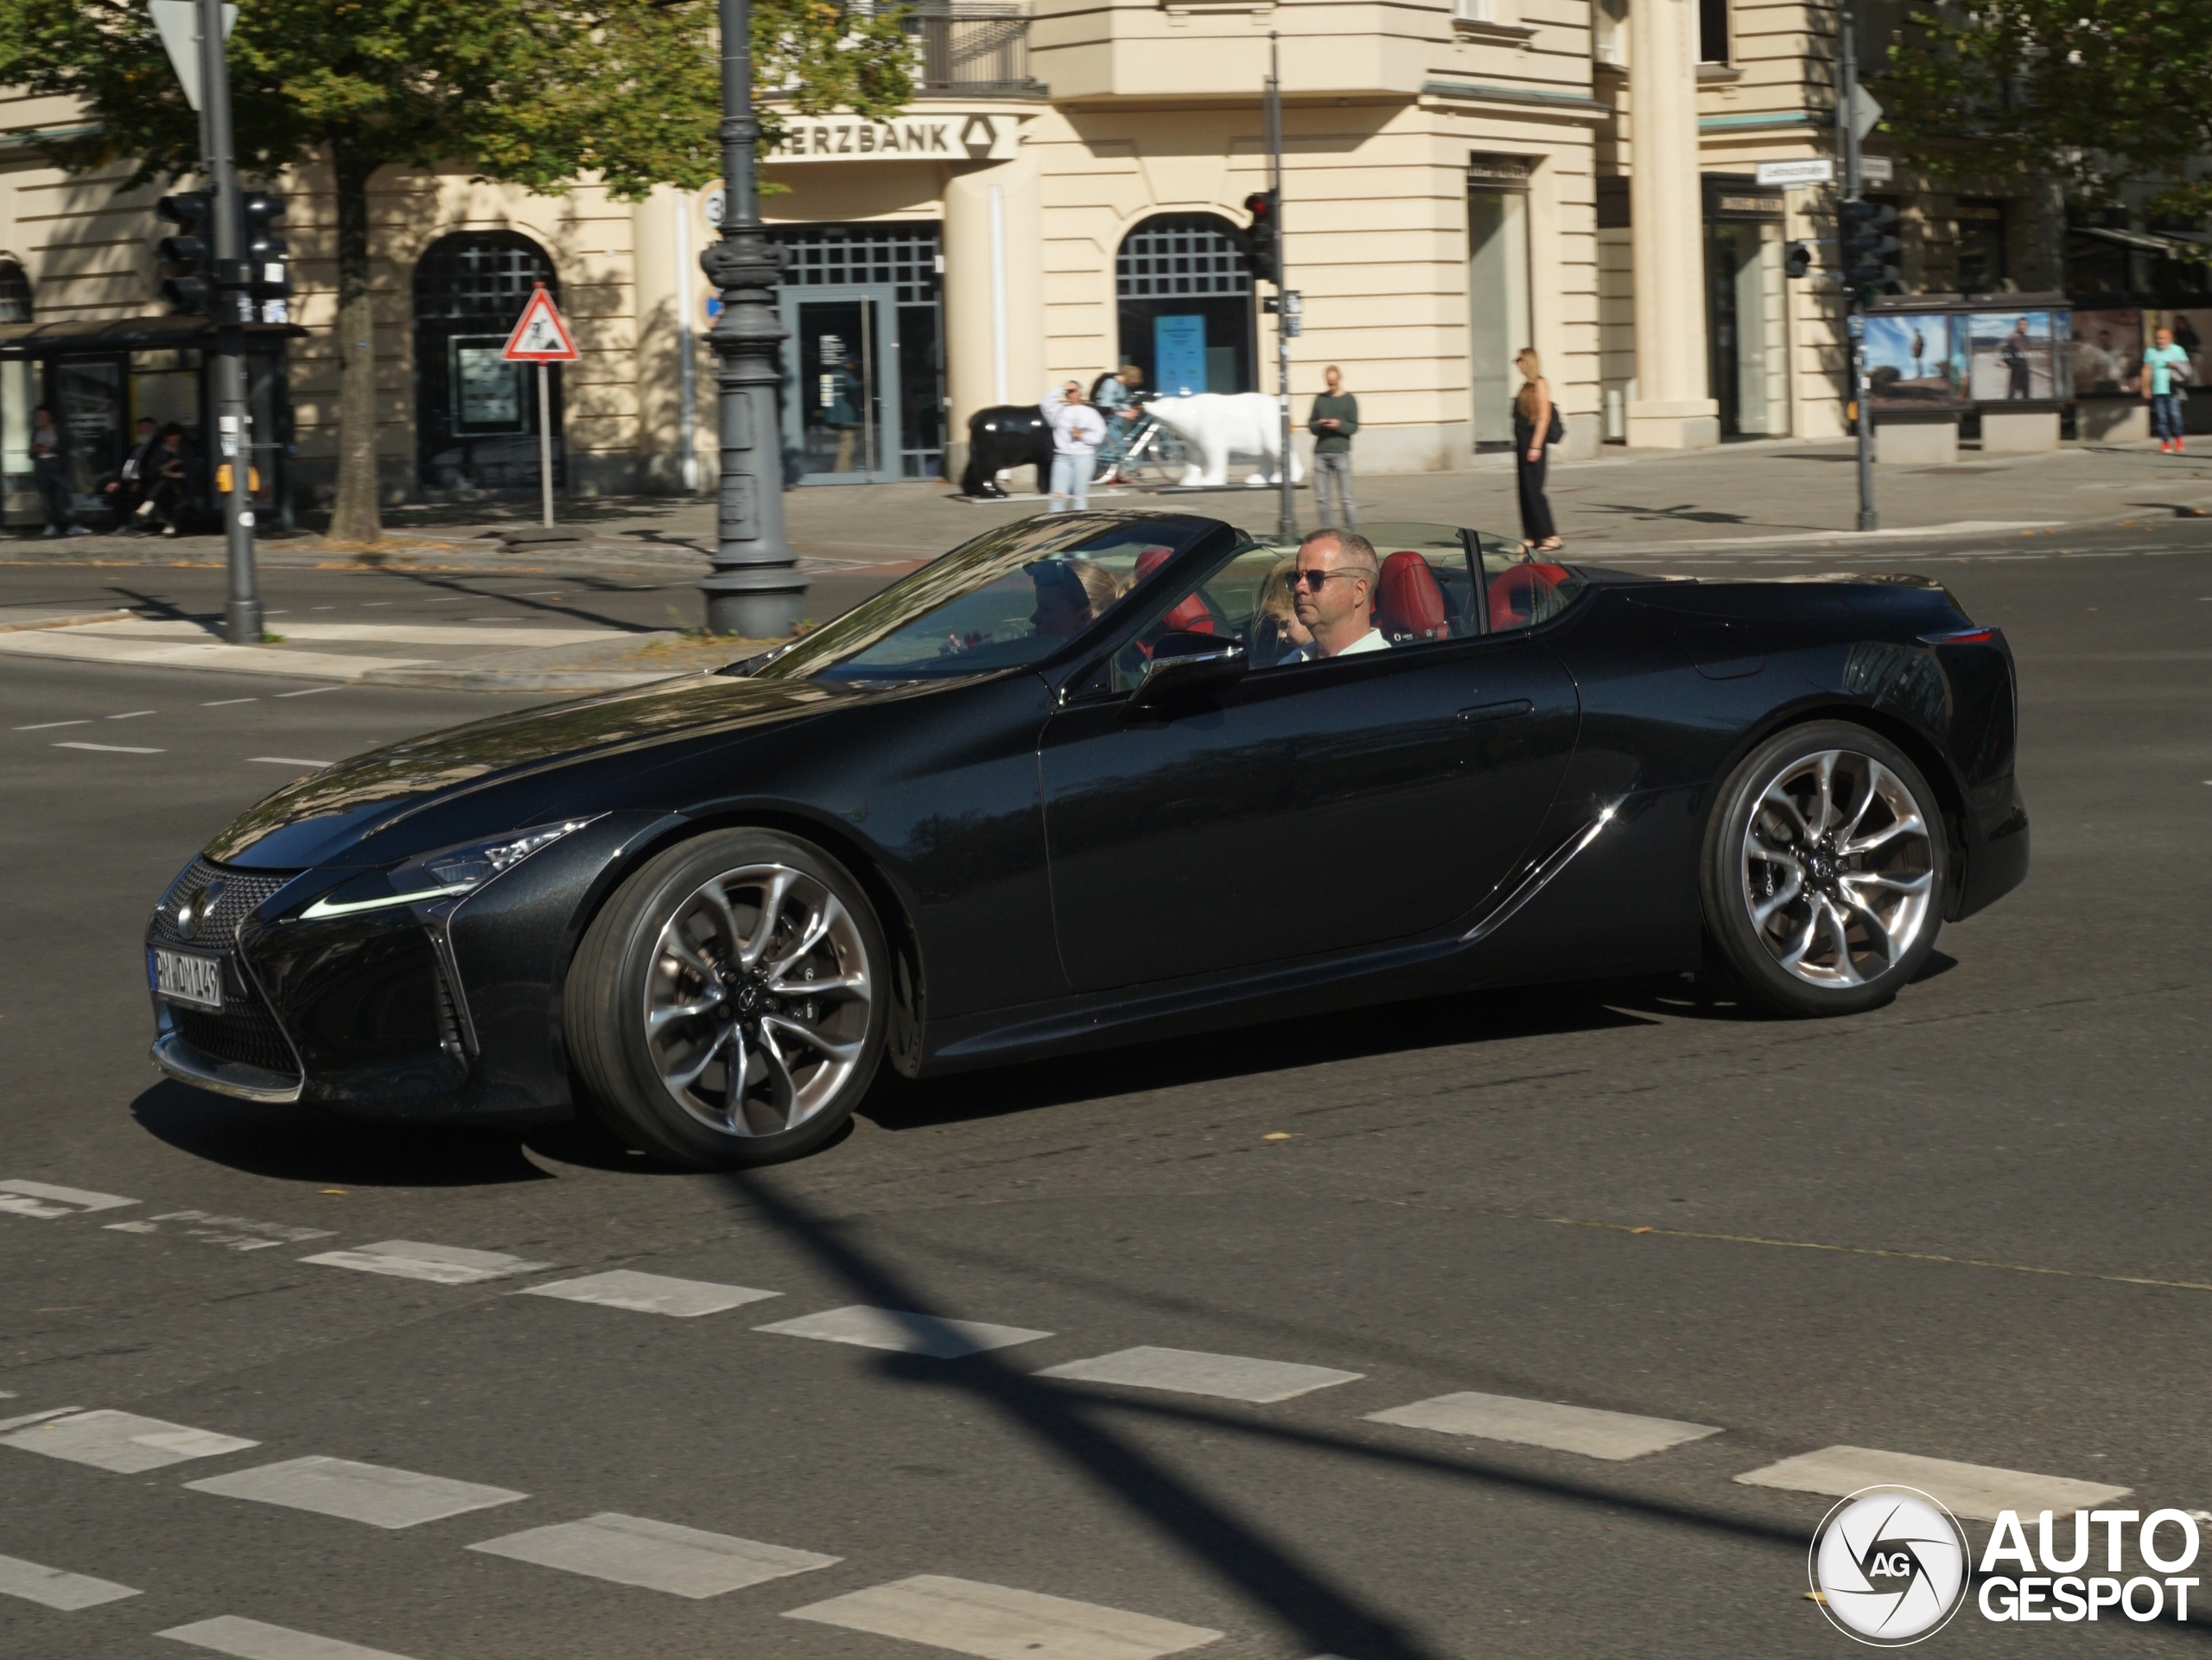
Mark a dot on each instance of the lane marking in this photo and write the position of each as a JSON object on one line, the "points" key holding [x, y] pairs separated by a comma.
{"points": [[290, 761], [122, 1442], [310, 692], [1191, 1371], [249, 1639], [1000, 1623], [6, 1424], [655, 1555], [234, 1232], [1977, 1490], [1585, 1430], [109, 748], [21, 1198], [407, 1259], [651, 1294], [48, 726], [225, 702], [133, 715], [371, 1493], [55, 1588], [903, 1333]]}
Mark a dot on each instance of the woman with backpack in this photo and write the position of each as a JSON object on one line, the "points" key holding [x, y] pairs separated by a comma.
{"points": [[1536, 426]]}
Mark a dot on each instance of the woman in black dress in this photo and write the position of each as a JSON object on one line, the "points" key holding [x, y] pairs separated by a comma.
{"points": [[1532, 434]]}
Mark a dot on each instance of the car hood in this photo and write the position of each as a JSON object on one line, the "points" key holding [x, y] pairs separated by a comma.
{"points": [[345, 814]]}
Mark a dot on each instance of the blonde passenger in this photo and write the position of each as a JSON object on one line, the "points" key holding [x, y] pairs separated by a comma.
{"points": [[1275, 627]]}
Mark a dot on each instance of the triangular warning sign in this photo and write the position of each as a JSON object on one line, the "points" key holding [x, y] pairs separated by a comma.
{"points": [[541, 336]]}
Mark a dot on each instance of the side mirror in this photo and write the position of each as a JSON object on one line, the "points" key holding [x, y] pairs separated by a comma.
{"points": [[1183, 667]]}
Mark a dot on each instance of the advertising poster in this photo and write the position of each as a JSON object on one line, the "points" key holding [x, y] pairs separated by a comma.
{"points": [[1910, 363], [2013, 357], [2107, 354], [2193, 333], [1178, 354], [487, 388]]}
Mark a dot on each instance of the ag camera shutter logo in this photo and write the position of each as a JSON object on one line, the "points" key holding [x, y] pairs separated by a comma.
{"points": [[1890, 1566]]}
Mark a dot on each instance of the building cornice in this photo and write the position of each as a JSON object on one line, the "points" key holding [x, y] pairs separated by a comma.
{"points": [[1572, 106]]}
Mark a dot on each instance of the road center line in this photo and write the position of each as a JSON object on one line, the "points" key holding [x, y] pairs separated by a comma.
{"points": [[225, 702], [310, 692], [290, 761], [133, 715], [109, 748], [48, 726]]}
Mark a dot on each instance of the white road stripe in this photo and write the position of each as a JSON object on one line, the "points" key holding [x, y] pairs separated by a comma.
{"points": [[133, 715], [6, 1424], [249, 1639], [290, 761], [225, 702], [1977, 1490], [310, 692], [54, 1588], [110, 749], [651, 1294], [656, 1556], [999, 1622], [20, 1197], [1190, 1372], [906, 1333], [48, 726], [236, 1232], [357, 1493], [407, 1259], [122, 1441], [1542, 1423]]}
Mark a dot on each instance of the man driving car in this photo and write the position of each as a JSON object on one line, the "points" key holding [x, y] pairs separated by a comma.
{"points": [[1333, 591]]}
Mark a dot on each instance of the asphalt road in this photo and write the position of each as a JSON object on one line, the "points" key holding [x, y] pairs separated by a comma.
{"points": [[1971, 1227]]}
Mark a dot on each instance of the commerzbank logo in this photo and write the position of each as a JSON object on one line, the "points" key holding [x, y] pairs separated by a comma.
{"points": [[1890, 1566]]}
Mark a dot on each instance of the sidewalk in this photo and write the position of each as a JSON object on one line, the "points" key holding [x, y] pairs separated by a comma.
{"points": [[1768, 499]]}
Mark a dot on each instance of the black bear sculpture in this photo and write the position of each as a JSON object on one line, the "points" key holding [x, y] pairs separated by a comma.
{"points": [[1007, 436]]}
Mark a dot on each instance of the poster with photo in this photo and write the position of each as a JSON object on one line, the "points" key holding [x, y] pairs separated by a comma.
{"points": [[2107, 354], [1909, 362], [2193, 333], [2012, 356]]}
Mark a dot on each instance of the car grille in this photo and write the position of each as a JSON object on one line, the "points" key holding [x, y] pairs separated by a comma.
{"points": [[243, 892]]}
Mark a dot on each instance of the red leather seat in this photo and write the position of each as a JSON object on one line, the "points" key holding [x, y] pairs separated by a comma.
{"points": [[1190, 615], [1409, 606], [1517, 593]]}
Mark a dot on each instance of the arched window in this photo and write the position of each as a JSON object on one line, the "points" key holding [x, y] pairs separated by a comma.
{"points": [[15, 293], [1184, 291], [476, 415]]}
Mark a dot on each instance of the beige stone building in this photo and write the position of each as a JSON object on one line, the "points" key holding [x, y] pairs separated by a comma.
{"points": [[1462, 178]]}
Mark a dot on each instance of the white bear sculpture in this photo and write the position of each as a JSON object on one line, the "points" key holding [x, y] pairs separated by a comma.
{"points": [[1216, 425]]}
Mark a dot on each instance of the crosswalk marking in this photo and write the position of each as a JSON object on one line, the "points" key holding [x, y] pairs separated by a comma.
{"points": [[249, 1639], [997, 1622], [54, 1588], [657, 1555], [6, 1424], [380, 1496], [122, 1441], [651, 1294], [24, 1198], [234, 1232], [1190, 1372], [1542, 1423], [408, 1259], [906, 1333], [1976, 1490]]}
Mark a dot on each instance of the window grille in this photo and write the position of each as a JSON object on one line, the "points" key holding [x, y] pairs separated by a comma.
{"points": [[1172, 255]]}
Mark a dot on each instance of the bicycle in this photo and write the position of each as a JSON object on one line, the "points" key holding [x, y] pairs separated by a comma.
{"points": [[1153, 457]]}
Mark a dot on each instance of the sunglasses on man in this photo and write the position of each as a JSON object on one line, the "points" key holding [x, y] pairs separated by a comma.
{"points": [[1317, 580]]}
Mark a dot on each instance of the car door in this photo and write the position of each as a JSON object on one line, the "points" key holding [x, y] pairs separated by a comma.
{"points": [[1311, 809]]}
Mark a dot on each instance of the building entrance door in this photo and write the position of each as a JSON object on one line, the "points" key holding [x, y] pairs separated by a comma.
{"points": [[1747, 320], [842, 359], [1498, 305]]}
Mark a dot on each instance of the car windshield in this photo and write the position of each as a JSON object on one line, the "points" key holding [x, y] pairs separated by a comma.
{"points": [[1012, 596]]}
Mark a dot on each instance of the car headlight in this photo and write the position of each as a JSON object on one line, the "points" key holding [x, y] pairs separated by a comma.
{"points": [[449, 873]]}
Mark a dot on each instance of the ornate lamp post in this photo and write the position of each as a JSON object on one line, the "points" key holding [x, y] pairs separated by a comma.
{"points": [[755, 590]]}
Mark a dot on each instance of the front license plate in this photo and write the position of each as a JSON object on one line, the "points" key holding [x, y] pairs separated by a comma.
{"points": [[185, 978]]}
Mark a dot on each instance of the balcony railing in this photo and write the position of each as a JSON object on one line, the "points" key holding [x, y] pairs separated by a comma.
{"points": [[972, 47]]}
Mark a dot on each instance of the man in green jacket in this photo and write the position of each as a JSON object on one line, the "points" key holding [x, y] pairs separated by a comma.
{"points": [[1335, 418]]}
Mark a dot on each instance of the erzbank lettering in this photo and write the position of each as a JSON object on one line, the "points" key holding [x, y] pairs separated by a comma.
{"points": [[2047, 1586], [869, 139]]}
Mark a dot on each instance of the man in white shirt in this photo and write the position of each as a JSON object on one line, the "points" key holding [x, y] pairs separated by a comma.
{"points": [[1077, 434], [1333, 589]]}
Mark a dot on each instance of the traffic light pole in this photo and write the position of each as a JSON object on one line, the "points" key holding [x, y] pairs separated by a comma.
{"points": [[233, 426], [1847, 134], [1286, 519]]}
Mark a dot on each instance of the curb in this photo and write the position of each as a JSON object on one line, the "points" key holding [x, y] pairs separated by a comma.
{"points": [[577, 680]]}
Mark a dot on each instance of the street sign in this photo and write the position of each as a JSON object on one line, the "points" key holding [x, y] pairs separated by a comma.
{"points": [[1865, 113], [1792, 174], [541, 336], [180, 28], [1877, 169]]}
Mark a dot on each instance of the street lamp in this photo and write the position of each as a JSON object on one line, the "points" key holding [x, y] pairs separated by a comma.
{"points": [[755, 590]]}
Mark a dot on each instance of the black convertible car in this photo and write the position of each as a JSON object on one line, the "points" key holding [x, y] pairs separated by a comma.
{"points": [[1072, 785]]}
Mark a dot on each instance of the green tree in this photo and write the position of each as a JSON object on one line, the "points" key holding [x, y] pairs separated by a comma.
{"points": [[527, 92], [2101, 95]]}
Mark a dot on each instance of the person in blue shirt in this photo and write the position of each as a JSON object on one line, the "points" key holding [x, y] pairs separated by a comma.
{"points": [[2165, 369]]}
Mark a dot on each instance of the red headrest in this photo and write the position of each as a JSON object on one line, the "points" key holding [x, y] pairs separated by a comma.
{"points": [[1151, 560], [1409, 606], [1190, 617], [1516, 592]]}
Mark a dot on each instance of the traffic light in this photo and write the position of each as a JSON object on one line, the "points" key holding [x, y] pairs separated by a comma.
{"points": [[1796, 258], [189, 283], [269, 272], [1867, 243], [1263, 238]]}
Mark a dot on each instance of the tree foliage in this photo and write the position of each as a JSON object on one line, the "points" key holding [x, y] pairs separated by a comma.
{"points": [[2106, 95]]}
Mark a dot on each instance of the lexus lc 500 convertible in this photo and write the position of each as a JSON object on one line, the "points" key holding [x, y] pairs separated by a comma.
{"points": [[1069, 784]]}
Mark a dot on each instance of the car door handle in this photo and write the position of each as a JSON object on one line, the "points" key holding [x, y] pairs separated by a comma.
{"points": [[1483, 713]]}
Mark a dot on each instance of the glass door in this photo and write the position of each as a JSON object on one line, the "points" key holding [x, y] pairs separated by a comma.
{"points": [[1748, 327], [1497, 300], [841, 408]]}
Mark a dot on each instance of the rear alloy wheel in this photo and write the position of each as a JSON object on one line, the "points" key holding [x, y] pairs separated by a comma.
{"points": [[727, 1007], [1823, 874]]}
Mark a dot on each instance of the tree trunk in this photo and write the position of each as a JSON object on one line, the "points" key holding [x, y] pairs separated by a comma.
{"points": [[355, 516]]}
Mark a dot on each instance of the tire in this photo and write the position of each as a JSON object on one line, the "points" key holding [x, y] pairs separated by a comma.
{"points": [[1824, 871], [740, 944]]}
